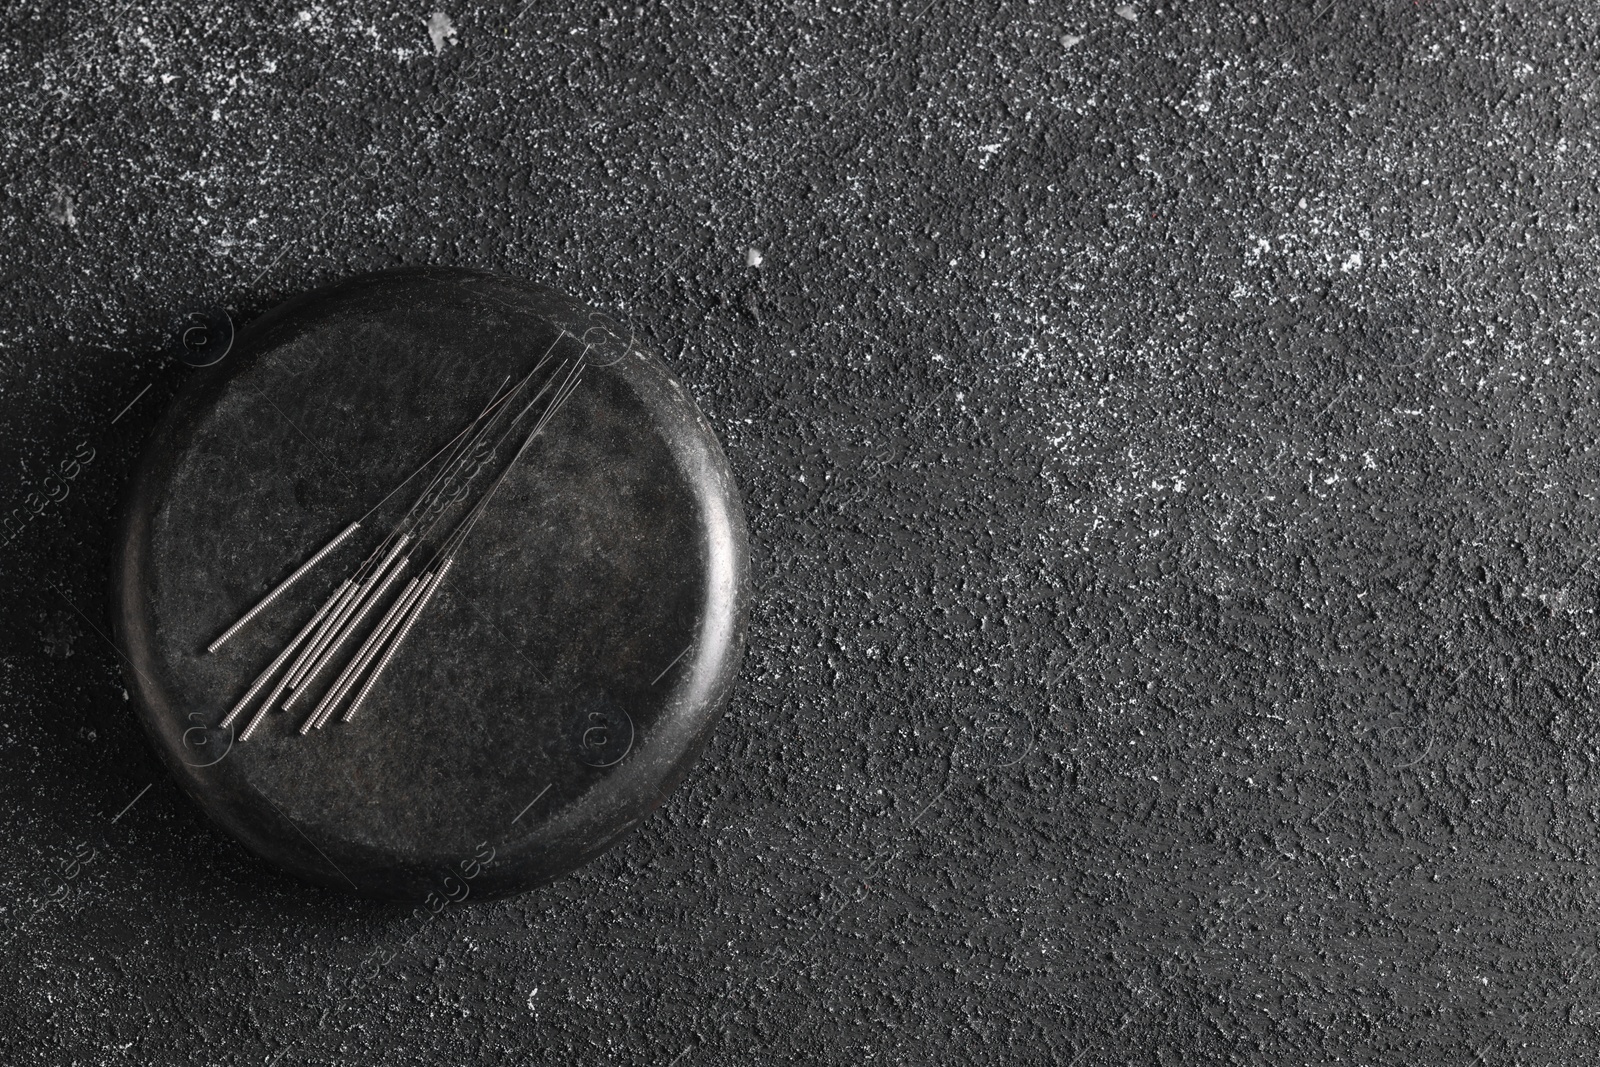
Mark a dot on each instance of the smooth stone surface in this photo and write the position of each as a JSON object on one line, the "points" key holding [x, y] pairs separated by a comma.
{"points": [[568, 672]]}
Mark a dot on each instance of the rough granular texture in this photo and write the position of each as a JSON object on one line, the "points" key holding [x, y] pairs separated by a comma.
{"points": [[1167, 433]]}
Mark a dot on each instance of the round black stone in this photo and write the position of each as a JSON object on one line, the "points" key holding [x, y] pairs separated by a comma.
{"points": [[567, 673]]}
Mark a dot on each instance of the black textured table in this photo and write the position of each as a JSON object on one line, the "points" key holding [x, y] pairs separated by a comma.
{"points": [[1167, 433]]}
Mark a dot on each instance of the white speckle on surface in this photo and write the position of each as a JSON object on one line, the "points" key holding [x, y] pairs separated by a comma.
{"points": [[752, 256], [1352, 262], [986, 152], [1069, 40], [62, 209], [1129, 12], [441, 31], [1557, 601]]}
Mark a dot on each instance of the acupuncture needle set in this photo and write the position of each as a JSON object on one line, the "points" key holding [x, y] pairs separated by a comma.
{"points": [[329, 637]]}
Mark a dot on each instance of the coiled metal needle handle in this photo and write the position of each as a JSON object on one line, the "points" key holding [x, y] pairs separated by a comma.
{"points": [[367, 653], [398, 640], [288, 650], [283, 586]]}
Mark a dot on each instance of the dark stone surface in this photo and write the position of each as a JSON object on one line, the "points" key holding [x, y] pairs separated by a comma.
{"points": [[1276, 563], [607, 582]]}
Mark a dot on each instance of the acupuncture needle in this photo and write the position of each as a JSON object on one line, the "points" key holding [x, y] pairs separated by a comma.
{"points": [[454, 542], [368, 593], [340, 621], [345, 534], [327, 621], [369, 649]]}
